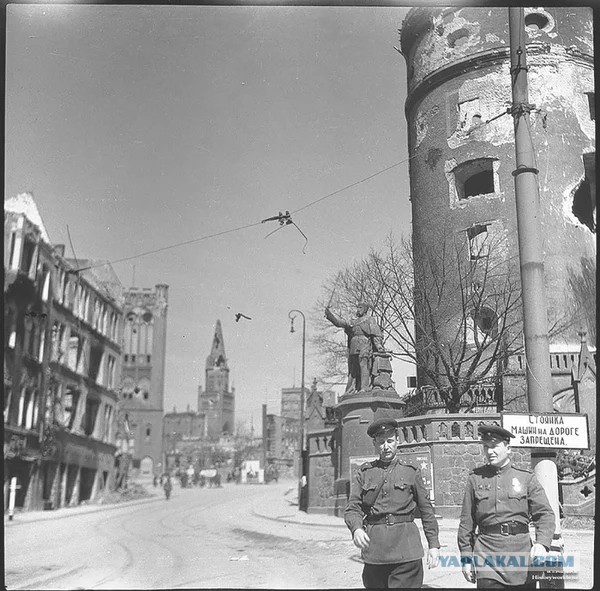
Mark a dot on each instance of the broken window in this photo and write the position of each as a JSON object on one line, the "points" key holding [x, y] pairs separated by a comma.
{"points": [[111, 371], [73, 352], [536, 21], [458, 37], [584, 202], [70, 400], [11, 257], [95, 360], [469, 114], [7, 401], [479, 244], [46, 288], [28, 257], [592, 104], [475, 177], [91, 412], [486, 322]]}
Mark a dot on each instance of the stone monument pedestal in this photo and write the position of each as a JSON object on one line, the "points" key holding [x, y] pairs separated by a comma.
{"points": [[356, 411]]}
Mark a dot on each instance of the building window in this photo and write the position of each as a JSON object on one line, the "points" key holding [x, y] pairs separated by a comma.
{"points": [[474, 178], [458, 38], [479, 244], [536, 21], [486, 323], [111, 371], [7, 401], [70, 401], [91, 412], [592, 104], [46, 288], [28, 258]]}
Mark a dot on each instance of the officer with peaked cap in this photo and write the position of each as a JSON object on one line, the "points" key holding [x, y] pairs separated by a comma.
{"points": [[380, 515], [499, 500]]}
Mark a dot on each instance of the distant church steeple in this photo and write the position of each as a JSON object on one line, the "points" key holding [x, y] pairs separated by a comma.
{"points": [[216, 401], [217, 356]]}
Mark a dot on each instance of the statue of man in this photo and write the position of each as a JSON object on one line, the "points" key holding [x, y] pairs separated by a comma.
{"points": [[364, 338]]}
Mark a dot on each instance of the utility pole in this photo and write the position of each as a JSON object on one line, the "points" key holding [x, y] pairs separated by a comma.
{"points": [[535, 320]]}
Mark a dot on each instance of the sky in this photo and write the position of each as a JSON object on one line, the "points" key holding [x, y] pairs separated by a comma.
{"points": [[143, 127]]}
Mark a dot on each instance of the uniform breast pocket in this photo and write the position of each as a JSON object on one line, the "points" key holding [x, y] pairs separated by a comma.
{"points": [[482, 494], [517, 496], [402, 492]]}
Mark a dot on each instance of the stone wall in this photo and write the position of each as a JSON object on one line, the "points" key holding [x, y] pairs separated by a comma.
{"points": [[322, 471]]}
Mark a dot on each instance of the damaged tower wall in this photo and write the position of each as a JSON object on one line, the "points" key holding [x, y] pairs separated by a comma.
{"points": [[461, 138]]}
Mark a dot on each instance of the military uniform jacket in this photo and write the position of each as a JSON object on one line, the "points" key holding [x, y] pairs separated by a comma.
{"points": [[495, 496], [403, 490]]}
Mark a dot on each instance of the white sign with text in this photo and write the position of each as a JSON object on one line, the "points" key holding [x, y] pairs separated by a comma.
{"points": [[559, 431]]}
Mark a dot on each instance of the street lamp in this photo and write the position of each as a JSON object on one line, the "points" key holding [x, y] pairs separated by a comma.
{"points": [[292, 315]]}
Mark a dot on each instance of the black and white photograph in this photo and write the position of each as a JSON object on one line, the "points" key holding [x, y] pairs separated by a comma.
{"points": [[299, 295]]}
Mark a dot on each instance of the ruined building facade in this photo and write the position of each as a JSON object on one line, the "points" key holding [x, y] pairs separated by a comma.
{"points": [[462, 153], [63, 323], [217, 401], [143, 374]]}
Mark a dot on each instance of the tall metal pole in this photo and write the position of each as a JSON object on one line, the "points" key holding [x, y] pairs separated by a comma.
{"points": [[302, 444], [535, 321]]}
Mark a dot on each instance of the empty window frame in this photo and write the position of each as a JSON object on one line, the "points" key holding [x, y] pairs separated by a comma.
{"points": [[479, 241], [70, 400], [475, 177], [592, 104]]}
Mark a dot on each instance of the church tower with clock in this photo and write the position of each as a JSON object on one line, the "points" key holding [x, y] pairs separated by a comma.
{"points": [[217, 402], [143, 374]]}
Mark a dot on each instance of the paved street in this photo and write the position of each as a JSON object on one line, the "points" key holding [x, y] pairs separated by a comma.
{"points": [[234, 537]]}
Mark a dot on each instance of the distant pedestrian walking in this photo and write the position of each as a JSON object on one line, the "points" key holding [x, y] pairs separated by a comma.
{"points": [[168, 487]]}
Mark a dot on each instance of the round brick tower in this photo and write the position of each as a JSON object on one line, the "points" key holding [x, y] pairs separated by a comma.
{"points": [[461, 139]]}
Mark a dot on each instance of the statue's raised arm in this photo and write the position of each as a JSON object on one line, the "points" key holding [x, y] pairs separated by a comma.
{"points": [[364, 338]]}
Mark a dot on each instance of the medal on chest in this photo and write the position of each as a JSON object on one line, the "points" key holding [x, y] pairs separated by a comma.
{"points": [[516, 485]]}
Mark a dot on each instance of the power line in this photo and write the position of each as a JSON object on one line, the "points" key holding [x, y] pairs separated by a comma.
{"points": [[191, 241]]}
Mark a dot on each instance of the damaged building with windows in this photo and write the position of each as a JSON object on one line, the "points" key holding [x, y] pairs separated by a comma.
{"points": [[63, 322], [462, 157]]}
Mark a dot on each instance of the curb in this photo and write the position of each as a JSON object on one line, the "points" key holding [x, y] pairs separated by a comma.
{"points": [[34, 516]]}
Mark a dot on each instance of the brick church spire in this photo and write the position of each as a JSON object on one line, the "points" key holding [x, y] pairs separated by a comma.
{"points": [[217, 402]]}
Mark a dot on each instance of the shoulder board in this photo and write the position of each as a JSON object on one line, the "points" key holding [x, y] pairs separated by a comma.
{"points": [[526, 470], [408, 465], [366, 466], [480, 469]]}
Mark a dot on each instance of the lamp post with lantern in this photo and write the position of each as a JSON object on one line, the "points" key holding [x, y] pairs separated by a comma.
{"points": [[292, 315]]}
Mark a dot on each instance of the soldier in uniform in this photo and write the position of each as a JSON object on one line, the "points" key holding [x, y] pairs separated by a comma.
{"points": [[499, 501], [380, 515]]}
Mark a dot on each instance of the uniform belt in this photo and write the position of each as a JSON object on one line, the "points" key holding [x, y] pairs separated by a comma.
{"points": [[389, 518], [506, 529]]}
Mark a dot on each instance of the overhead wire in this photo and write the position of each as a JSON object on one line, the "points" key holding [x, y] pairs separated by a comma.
{"points": [[245, 226]]}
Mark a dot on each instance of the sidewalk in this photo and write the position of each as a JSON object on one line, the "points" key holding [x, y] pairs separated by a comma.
{"points": [[284, 508]]}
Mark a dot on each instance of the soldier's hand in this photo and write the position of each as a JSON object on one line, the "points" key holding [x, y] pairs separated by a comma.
{"points": [[468, 571], [433, 557], [361, 539], [537, 554]]}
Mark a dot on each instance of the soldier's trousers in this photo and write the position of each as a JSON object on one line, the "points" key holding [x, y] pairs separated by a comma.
{"points": [[393, 576]]}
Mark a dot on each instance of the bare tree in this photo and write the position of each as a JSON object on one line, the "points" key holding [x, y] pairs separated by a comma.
{"points": [[454, 311]]}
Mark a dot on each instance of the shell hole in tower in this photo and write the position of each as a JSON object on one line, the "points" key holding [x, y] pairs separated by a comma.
{"points": [[458, 37], [536, 21]]}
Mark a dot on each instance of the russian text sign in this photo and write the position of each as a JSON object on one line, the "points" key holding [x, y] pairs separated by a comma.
{"points": [[553, 430]]}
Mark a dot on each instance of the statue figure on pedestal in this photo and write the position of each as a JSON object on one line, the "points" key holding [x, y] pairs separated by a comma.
{"points": [[366, 354]]}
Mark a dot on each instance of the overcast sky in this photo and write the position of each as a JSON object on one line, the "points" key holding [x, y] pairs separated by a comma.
{"points": [[141, 127]]}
